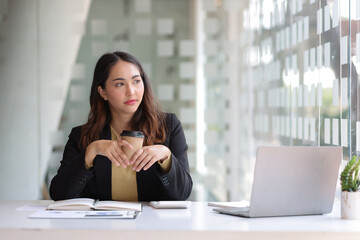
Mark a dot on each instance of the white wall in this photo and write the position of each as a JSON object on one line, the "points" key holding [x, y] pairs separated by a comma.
{"points": [[19, 172], [39, 41]]}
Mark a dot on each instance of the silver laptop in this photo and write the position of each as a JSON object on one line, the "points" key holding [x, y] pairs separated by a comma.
{"points": [[295, 180]]}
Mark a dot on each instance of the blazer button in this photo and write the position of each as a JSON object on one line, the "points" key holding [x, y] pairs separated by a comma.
{"points": [[81, 182]]}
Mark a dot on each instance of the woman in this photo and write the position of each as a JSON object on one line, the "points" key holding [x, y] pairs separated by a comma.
{"points": [[94, 164]]}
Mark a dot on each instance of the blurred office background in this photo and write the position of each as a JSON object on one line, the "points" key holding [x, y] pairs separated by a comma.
{"points": [[238, 74]]}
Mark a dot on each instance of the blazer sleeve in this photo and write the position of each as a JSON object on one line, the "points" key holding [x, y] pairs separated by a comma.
{"points": [[72, 176], [177, 181]]}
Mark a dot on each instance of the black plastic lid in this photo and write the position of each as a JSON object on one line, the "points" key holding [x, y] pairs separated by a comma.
{"points": [[132, 134]]}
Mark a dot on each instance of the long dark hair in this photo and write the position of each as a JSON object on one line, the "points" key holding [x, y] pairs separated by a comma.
{"points": [[148, 118]]}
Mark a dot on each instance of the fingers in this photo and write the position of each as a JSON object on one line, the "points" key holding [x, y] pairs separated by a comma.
{"points": [[112, 150], [144, 158], [120, 155], [136, 156], [148, 160], [125, 144], [115, 160]]}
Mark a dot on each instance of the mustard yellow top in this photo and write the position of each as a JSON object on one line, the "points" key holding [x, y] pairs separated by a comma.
{"points": [[123, 180]]}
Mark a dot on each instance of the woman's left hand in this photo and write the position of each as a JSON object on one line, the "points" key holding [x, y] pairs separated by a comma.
{"points": [[146, 156]]}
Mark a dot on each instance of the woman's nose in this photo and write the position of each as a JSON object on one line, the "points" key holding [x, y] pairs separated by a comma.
{"points": [[130, 90]]}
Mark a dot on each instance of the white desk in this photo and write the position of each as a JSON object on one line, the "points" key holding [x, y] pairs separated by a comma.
{"points": [[198, 222]]}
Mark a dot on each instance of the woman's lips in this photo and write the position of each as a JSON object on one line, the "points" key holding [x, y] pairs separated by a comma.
{"points": [[130, 102]]}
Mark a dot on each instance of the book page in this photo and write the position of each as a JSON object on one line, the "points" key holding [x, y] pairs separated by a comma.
{"points": [[123, 214], [113, 205], [72, 204]]}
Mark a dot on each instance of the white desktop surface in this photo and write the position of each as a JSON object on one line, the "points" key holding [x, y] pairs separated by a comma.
{"points": [[198, 222]]}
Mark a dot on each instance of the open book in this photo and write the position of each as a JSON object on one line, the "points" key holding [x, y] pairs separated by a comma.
{"points": [[91, 204]]}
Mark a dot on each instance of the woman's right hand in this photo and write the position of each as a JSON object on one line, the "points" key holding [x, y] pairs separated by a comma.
{"points": [[110, 149]]}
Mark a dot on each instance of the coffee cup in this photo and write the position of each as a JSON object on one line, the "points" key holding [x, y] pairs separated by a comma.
{"points": [[135, 138]]}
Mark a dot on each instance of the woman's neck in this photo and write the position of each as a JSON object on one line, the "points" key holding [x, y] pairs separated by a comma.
{"points": [[120, 123]]}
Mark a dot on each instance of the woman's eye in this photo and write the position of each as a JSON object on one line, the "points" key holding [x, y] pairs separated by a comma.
{"points": [[119, 84], [137, 81]]}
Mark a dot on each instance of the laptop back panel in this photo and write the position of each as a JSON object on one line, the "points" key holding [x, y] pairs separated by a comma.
{"points": [[294, 180]]}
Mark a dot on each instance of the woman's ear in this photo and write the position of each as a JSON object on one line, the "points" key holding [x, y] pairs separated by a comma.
{"points": [[102, 92]]}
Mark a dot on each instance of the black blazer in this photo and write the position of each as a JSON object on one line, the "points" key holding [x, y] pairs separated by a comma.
{"points": [[73, 180]]}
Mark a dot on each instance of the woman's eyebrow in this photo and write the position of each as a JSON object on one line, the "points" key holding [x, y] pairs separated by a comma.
{"points": [[123, 79]]}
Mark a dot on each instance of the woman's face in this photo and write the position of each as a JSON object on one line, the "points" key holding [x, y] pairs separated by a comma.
{"points": [[124, 89]]}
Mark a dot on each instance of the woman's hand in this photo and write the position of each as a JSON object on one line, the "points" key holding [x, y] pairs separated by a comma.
{"points": [[110, 149], [146, 156]]}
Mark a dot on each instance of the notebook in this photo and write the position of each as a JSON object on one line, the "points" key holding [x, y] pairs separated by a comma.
{"points": [[291, 181]]}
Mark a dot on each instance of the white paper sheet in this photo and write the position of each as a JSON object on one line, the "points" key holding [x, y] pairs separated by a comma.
{"points": [[84, 214]]}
